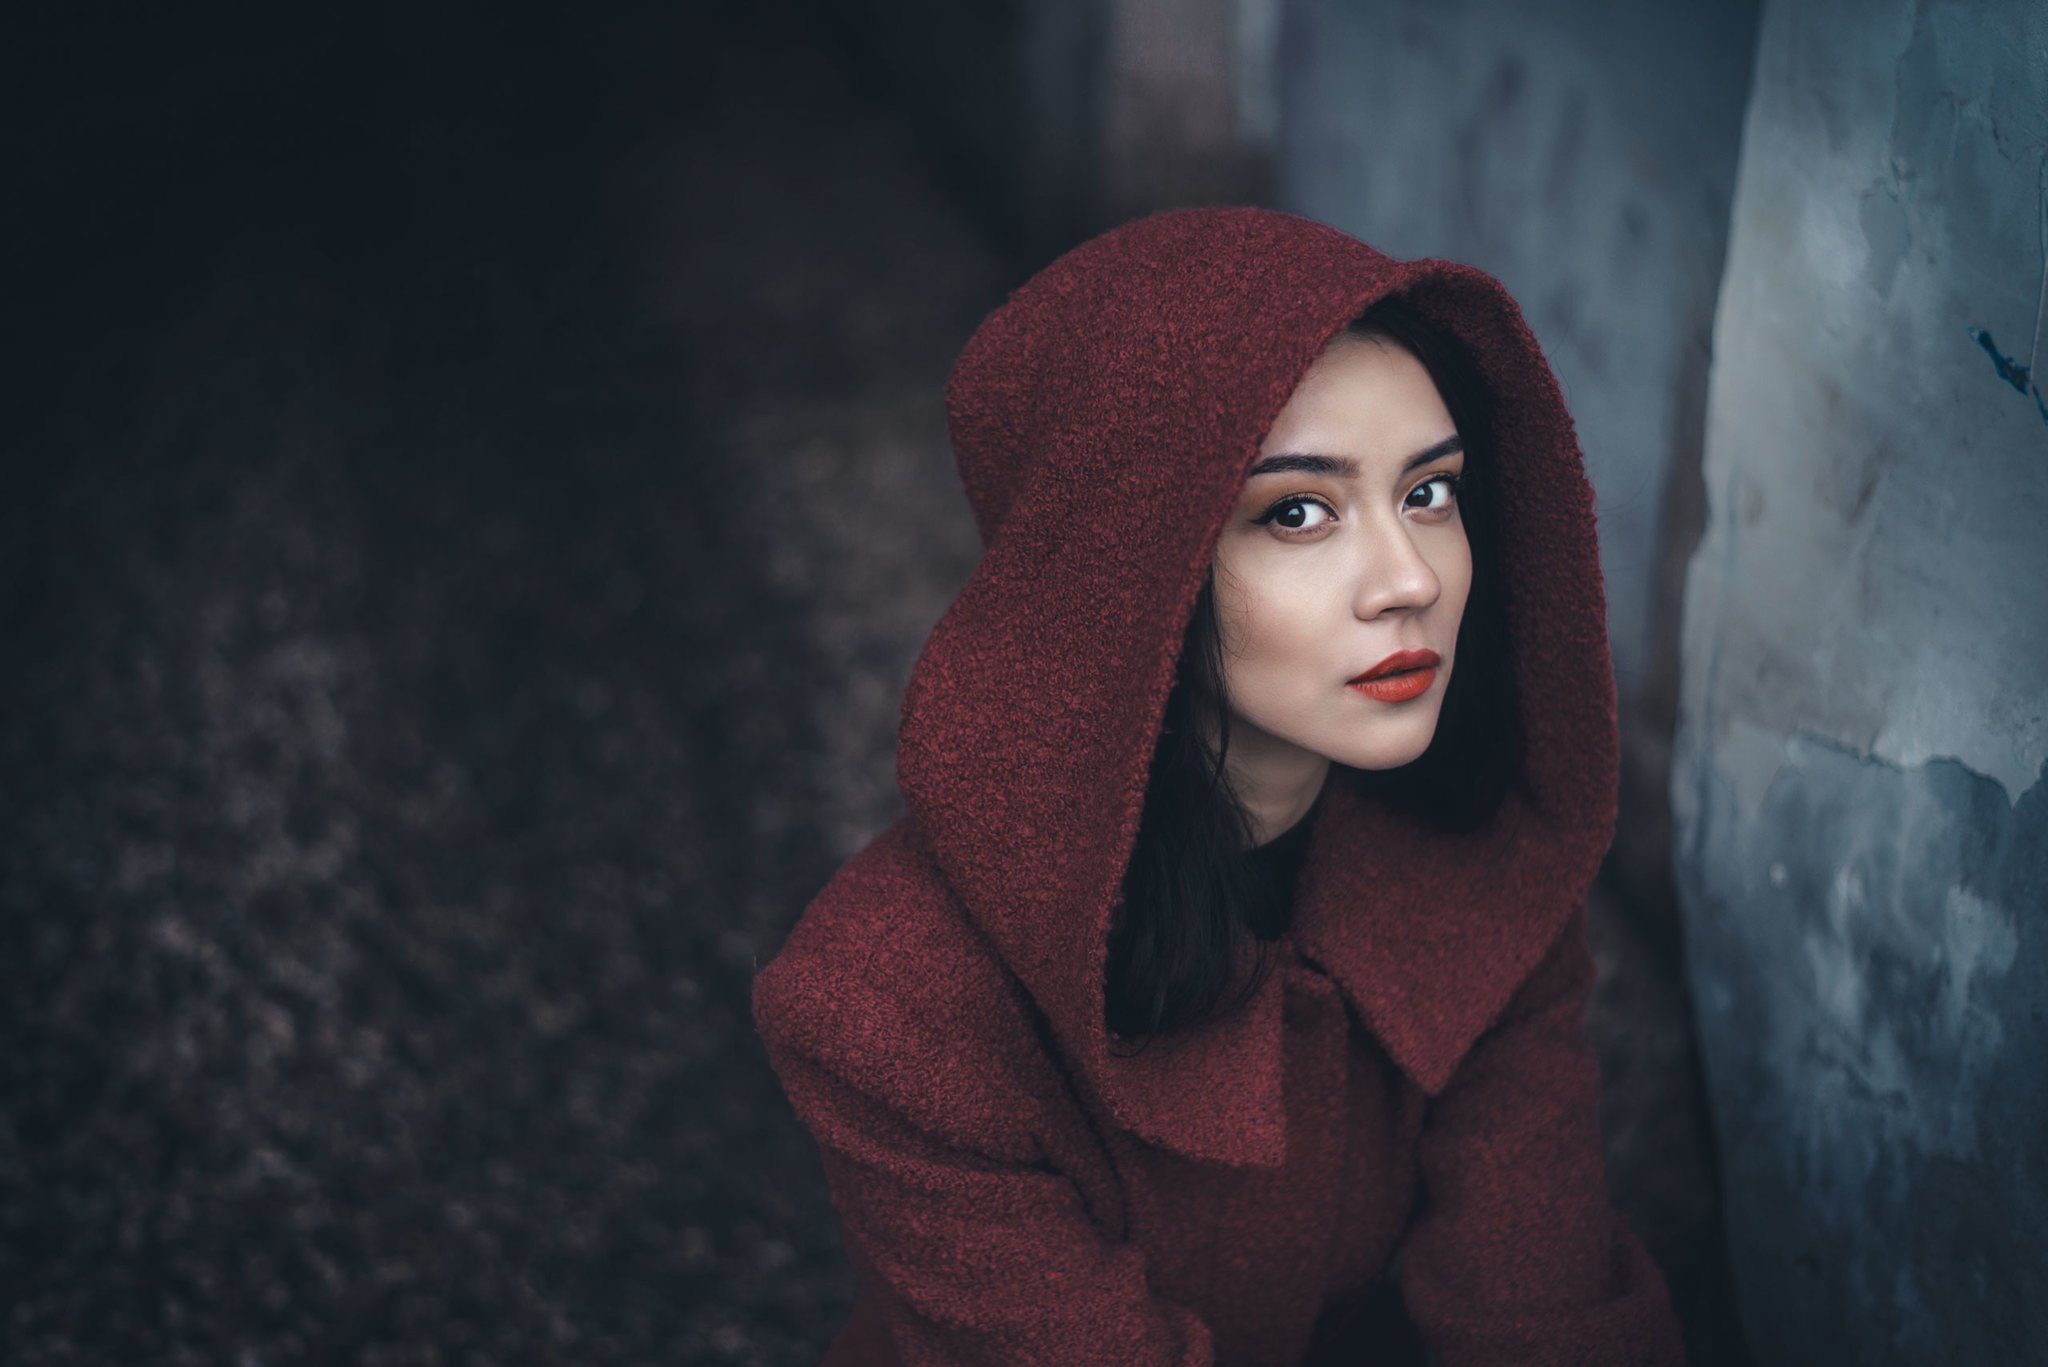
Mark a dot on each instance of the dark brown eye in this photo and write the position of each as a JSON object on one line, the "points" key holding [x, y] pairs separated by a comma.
{"points": [[1438, 491], [1297, 514]]}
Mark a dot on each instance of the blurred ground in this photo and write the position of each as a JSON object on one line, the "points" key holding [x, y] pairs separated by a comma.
{"points": [[431, 618], [462, 557]]}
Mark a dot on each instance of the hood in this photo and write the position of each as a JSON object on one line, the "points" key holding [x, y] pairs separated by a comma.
{"points": [[1103, 419]]}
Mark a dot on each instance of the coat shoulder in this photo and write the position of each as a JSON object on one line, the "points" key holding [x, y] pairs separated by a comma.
{"points": [[886, 985]]}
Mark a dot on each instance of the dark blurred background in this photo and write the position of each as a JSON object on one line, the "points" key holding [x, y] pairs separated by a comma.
{"points": [[475, 482]]}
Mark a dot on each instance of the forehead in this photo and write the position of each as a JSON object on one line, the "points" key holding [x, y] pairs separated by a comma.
{"points": [[1368, 399]]}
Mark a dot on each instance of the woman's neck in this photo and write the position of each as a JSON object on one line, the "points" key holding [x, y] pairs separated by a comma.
{"points": [[1276, 783]]}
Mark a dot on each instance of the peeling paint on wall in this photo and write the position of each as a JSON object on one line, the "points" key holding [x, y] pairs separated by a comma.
{"points": [[2009, 370], [2019, 376]]}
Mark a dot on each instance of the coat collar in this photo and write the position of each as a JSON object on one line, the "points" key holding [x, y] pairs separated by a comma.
{"points": [[1425, 966]]}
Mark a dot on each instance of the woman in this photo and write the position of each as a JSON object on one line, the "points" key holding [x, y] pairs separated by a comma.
{"points": [[1218, 998]]}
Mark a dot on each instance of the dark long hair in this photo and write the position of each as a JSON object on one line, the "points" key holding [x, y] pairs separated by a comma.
{"points": [[1190, 896]]}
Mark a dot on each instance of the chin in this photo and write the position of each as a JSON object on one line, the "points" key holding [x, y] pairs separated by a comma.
{"points": [[1396, 743]]}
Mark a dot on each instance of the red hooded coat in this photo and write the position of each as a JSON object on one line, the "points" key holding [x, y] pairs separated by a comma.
{"points": [[1409, 1105]]}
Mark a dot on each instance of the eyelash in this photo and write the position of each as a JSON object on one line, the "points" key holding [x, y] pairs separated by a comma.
{"points": [[1457, 483]]}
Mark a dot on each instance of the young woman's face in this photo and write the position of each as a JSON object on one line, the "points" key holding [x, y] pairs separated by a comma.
{"points": [[1346, 549]]}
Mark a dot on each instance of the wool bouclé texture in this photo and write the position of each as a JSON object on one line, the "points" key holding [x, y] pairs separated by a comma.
{"points": [[1394, 1147]]}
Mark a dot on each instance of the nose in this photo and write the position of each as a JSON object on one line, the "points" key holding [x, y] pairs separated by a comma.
{"points": [[1393, 574]]}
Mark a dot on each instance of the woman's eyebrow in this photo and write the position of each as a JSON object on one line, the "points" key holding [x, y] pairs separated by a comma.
{"points": [[1343, 467]]}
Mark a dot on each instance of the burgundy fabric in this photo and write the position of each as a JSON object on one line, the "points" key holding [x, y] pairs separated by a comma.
{"points": [[1409, 1105]]}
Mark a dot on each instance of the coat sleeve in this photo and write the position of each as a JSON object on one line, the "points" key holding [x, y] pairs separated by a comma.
{"points": [[973, 1253], [1518, 1256]]}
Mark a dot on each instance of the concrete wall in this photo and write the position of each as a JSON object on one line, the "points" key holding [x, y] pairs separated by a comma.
{"points": [[1857, 787]]}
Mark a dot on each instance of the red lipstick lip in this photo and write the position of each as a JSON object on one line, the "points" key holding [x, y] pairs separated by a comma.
{"points": [[1398, 662]]}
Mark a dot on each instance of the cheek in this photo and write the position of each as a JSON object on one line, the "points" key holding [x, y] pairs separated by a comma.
{"points": [[1453, 567], [1273, 637]]}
